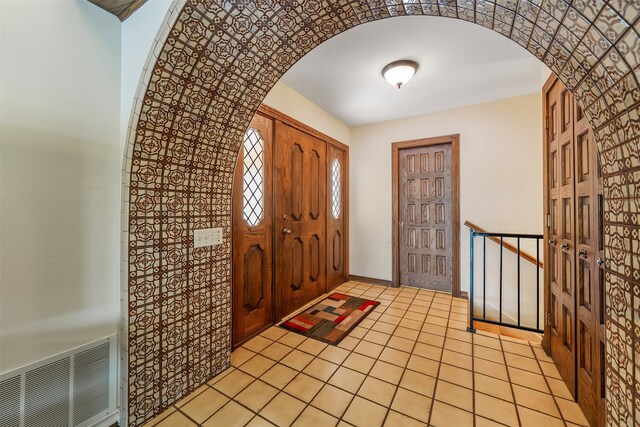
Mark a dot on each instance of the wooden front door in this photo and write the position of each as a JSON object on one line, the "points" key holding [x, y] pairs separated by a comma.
{"points": [[253, 231], [300, 218], [427, 215], [576, 275], [561, 233], [337, 221]]}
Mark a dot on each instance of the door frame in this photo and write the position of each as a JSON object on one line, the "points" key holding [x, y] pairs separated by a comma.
{"points": [[454, 140]]}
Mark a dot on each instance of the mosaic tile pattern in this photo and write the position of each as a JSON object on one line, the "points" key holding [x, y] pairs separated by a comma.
{"points": [[214, 62]]}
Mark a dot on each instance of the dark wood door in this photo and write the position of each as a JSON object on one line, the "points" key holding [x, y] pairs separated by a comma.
{"points": [[589, 274], [253, 232], [425, 222], [561, 233], [300, 218], [337, 222]]}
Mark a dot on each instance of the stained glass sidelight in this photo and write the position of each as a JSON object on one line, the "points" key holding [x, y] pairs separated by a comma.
{"points": [[335, 188], [253, 177]]}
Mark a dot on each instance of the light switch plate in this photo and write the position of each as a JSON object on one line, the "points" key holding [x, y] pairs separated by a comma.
{"points": [[207, 237]]}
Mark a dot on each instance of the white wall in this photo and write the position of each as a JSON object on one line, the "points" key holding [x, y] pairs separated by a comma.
{"points": [[59, 177], [500, 176], [288, 101]]}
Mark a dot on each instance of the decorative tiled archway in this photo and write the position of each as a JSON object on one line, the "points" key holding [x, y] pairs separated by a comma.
{"points": [[212, 64]]}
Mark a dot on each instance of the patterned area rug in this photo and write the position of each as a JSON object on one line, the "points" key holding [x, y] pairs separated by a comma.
{"points": [[331, 319]]}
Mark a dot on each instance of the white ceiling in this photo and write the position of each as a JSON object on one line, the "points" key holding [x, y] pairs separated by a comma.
{"points": [[460, 64]]}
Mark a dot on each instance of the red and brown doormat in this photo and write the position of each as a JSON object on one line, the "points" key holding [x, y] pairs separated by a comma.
{"points": [[331, 319]]}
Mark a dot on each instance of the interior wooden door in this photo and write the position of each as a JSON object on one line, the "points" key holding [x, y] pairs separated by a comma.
{"points": [[561, 233], [425, 221], [300, 218], [589, 271], [337, 219], [253, 231]]}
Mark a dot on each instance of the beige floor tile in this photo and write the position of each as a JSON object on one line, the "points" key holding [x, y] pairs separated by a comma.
{"points": [[276, 351], [363, 413], [410, 334], [256, 395], [257, 344], [304, 387], [292, 339], [492, 369], [531, 418], [559, 388], [241, 355], [390, 319], [204, 405], [541, 402], [334, 354], [519, 349], [493, 387], [347, 379], [191, 396], [435, 320], [377, 337], [522, 362], [366, 323], [454, 395], [528, 379], [221, 375], [443, 415], [404, 300], [274, 333], [439, 313], [282, 410], [541, 355], [496, 409], [258, 421], [410, 324], [457, 359], [377, 391], [332, 400], [428, 351], [349, 343], [383, 327], [320, 369], [463, 336], [359, 363], [419, 308], [312, 417], [369, 349], [156, 421], [456, 375], [231, 415], [434, 329], [571, 412], [485, 341], [423, 365], [358, 332], [457, 325], [487, 353], [396, 419], [312, 346], [386, 372], [395, 357], [420, 383], [550, 370], [412, 404], [459, 346], [257, 365], [233, 383], [401, 344], [297, 360], [279, 375], [414, 315], [176, 419], [483, 422]]}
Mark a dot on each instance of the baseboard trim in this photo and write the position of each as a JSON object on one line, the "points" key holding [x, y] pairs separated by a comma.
{"points": [[370, 280], [464, 295]]}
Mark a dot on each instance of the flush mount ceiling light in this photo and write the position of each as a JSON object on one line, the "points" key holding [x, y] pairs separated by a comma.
{"points": [[399, 72]]}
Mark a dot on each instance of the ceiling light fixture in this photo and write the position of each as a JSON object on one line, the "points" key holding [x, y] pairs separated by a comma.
{"points": [[400, 72]]}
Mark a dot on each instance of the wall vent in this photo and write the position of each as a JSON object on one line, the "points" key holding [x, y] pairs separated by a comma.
{"points": [[72, 389]]}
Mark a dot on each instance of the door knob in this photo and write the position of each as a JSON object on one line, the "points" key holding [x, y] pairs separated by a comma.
{"points": [[599, 261], [286, 231], [552, 242], [401, 224], [582, 253], [565, 246]]}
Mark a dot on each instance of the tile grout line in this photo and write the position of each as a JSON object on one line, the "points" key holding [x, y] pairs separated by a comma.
{"points": [[544, 376], [506, 367]]}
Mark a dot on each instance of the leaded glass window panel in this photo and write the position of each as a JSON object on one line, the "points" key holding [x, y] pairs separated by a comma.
{"points": [[335, 188], [253, 177]]}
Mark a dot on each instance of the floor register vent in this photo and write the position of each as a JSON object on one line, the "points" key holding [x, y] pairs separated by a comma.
{"points": [[73, 389]]}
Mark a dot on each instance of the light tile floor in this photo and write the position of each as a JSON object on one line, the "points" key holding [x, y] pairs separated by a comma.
{"points": [[409, 363]]}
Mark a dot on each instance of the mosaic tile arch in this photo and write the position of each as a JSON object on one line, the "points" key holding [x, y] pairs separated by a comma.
{"points": [[214, 61]]}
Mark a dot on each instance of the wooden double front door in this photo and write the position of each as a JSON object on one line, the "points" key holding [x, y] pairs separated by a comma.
{"points": [[574, 256], [289, 222], [426, 219]]}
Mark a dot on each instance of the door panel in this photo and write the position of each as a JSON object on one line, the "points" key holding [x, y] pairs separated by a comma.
{"points": [[425, 217], [300, 218], [336, 217], [252, 232]]}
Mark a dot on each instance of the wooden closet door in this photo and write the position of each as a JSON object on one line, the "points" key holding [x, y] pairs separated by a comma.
{"points": [[253, 231], [561, 233], [300, 218], [337, 220]]}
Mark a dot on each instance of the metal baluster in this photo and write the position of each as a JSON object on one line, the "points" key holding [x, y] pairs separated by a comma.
{"points": [[470, 328], [501, 241], [518, 281], [484, 278], [537, 284]]}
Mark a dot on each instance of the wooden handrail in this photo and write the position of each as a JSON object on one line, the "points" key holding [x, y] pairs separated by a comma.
{"points": [[506, 245]]}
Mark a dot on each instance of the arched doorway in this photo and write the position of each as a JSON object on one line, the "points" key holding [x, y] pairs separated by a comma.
{"points": [[207, 79]]}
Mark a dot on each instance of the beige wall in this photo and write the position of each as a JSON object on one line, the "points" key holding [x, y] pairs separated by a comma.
{"points": [[500, 178], [291, 103], [59, 177]]}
